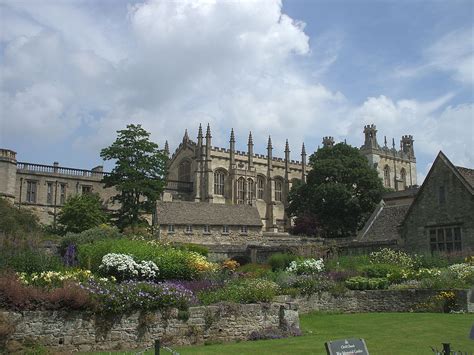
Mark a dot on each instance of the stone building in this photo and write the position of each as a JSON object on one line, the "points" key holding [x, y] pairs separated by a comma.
{"points": [[226, 176], [208, 223], [437, 217], [45, 188], [200, 172]]}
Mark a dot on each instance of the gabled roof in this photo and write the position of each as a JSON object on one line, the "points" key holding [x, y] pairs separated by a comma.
{"points": [[202, 213], [383, 223], [463, 174]]}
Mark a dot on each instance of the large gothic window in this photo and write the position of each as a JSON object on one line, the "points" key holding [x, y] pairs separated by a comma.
{"points": [[250, 191], [403, 176], [278, 190], [386, 176], [241, 191], [184, 171], [260, 187], [219, 178]]}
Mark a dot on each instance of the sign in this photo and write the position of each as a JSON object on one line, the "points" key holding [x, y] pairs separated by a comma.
{"points": [[347, 347]]}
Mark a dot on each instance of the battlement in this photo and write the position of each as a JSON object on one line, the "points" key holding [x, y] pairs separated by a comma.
{"points": [[8, 155], [370, 126], [407, 137]]}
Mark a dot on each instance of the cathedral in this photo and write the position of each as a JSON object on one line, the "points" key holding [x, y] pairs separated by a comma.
{"points": [[204, 173]]}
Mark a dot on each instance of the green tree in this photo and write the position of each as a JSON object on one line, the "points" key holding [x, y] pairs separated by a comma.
{"points": [[138, 175], [82, 212], [341, 191]]}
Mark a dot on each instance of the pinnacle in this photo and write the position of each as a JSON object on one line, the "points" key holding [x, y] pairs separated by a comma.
{"points": [[208, 131], [232, 137], [250, 139], [303, 150], [269, 146], [200, 131]]}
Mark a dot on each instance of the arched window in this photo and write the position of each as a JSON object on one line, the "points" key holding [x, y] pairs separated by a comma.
{"points": [[260, 187], [386, 176], [403, 176], [219, 178], [184, 171], [250, 191], [241, 191], [278, 190]]}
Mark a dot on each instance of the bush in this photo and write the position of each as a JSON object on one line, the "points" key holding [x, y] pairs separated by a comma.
{"points": [[54, 279], [393, 257], [29, 261], [254, 270], [88, 236], [193, 247], [173, 264], [347, 262], [392, 272], [365, 283], [17, 222], [82, 212], [132, 295], [280, 261], [306, 267], [242, 291], [123, 267]]}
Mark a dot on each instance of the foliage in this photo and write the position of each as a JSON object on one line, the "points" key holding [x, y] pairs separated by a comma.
{"points": [[352, 262], [254, 270], [173, 264], [193, 247], [132, 295], [138, 175], [306, 266], [123, 267], [393, 272], [280, 261], [242, 291], [341, 192], [365, 283], [17, 222], [303, 284], [230, 265], [54, 279], [443, 302], [306, 224], [82, 212], [88, 236], [15, 295], [29, 261], [393, 257], [463, 271]]}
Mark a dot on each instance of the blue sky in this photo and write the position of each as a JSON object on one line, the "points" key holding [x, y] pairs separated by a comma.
{"points": [[74, 72]]}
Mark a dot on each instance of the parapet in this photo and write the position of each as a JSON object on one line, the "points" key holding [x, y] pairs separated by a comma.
{"points": [[7, 155]]}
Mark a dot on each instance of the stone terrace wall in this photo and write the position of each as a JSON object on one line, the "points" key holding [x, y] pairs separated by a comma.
{"points": [[81, 331], [374, 301]]}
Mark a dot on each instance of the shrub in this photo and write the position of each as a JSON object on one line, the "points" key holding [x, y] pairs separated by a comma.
{"points": [[230, 265], [82, 212], [173, 264], [54, 279], [446, 279], [92, 235], [280, 261], [393, 272], [29, 261], [254, 270], [392, 257], [242, 291], [193, 247], [352, 262], [123, 267], [310, 284], [132, 295], [365, 283], [343, 275], [17, 222], [306, 267], [463, 272]]}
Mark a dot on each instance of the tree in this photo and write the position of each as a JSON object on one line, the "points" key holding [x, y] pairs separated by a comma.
{"points": [[138, 175], [341, 191], [82, 212]]}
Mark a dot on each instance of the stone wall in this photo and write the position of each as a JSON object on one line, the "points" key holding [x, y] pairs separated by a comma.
{"points": [[374, 301], [81, 331]]}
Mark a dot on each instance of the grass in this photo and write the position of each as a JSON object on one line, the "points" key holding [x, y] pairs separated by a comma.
{"points": [[384, 333]]}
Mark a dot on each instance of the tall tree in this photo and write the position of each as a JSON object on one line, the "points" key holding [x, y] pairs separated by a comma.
{"points": [[138, 175], [341, 191]]}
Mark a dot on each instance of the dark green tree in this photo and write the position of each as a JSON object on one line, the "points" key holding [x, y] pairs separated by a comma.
{"points": [[138, 175], [341, 191], [82, 212]]}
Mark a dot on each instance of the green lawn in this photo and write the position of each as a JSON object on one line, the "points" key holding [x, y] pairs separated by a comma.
{"points": [[384, 333]]}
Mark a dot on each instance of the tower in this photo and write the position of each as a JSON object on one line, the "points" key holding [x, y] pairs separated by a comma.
{"points": [[328, 141], [370, 142], [407, 145], [7, 174]]}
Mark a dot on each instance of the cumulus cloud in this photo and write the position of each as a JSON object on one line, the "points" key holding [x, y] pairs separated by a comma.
{"points": [[84, 70]]}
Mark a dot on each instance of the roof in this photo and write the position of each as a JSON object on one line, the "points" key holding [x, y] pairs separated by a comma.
{"points": [[202, 213], [384, 223], [393, 195], [467, 174]]}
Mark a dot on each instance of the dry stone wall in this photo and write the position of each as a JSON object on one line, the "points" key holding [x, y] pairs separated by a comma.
{"points": [[82, 331]]}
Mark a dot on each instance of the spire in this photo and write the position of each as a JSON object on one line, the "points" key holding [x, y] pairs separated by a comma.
{"points": [[167, 149], [208, 131], [269, 146], [303, 163], [250, 139], [185, 137], [250, 151], [200, 132], [232, 137], [385, 140], [393, 143], [303, 150], [287, 147]]}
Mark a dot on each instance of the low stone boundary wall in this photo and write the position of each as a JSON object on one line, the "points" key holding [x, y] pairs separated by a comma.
{"points": [[375, 301], [81, 331]]}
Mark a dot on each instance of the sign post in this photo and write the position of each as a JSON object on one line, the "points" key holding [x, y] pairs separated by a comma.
{"points": [[347, 347]]}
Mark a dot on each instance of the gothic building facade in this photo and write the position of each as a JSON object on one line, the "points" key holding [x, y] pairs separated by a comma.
{"points": [[228, 176]]}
